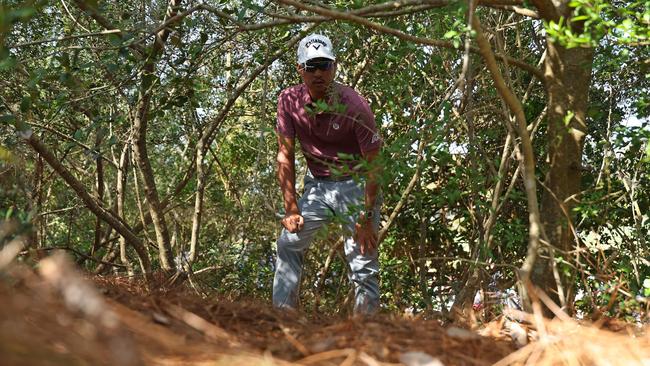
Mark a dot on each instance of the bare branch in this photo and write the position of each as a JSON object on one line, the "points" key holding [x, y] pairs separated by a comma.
{"points": [[216, 122], [404, 36], [517, 9], [65, 6], [72, 139], [59, 39], [93, 13], [91, 202], [140, 150], [546, 9], [528, 164], [424, 141]]}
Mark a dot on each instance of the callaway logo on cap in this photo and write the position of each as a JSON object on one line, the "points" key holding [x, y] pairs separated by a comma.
{"points": [[315, 46]]}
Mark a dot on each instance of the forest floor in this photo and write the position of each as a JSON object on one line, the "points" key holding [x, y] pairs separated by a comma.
{"points": [[57, 316]]}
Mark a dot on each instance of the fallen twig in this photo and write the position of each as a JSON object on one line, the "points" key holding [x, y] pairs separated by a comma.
{"points": [[327, 355], [209, 329], [294, 342]]}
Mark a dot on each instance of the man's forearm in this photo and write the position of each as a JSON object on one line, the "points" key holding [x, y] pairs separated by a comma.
{"points": [[287, 179], [372, 188], [372, 181], [287, 173]]}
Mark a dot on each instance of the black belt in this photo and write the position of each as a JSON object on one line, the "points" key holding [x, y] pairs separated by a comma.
{"points": [[333, 178]]}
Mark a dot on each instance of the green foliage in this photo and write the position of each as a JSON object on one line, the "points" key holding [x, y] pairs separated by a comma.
{"points": [[79, 95], [626, 22]]}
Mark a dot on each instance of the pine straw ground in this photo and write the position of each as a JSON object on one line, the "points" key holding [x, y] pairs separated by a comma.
{"points": [[58, 317]]}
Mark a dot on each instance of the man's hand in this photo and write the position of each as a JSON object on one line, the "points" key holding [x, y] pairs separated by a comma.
{"points": [[293, 222], [365, 235]]}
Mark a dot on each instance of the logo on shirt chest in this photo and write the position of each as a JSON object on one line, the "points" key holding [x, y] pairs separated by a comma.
{"points": [[336, 126], [326, 121], [329, 127]]}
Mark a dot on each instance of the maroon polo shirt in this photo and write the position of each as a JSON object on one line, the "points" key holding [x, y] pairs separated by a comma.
{"points": [[348, 127]]}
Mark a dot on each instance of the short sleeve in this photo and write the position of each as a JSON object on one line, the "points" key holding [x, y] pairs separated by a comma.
{"points": [[284, 124], [365, 128]]}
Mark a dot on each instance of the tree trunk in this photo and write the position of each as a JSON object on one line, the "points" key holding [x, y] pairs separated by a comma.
{"points": [[461, 309], [527, 159], [37, 196], [568, 75], [198, 201], [140, 125], [122, 174], [99, 191], [150, 190], [93, 205]]}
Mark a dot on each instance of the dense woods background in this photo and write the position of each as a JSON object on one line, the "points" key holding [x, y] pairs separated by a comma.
{"points": [[139, 137]]}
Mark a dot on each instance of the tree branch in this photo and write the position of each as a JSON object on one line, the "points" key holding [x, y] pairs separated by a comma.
{"points": [[140, 147], [90, 202], [58, 39], [72, 139], [528, 164], [93, 13], [216, 122], [84, 255], [334, 14], [416, 176], [517, 9], [546, 9]]}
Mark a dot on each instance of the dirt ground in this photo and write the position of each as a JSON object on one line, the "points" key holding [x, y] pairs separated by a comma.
{"points": [[59, 317]]}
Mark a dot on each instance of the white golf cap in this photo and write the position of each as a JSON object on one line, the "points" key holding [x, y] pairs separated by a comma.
{"points": [[315, 46]]}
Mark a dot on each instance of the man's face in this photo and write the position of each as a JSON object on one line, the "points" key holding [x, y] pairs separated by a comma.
{"points": [[318, 74]]}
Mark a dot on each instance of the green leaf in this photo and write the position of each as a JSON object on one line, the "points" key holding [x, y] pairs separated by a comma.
{"points": [[450, 34], [568, 117], [7, 63], [23, 128], [580, 17], [6, 155], [112, 140], [112, 67], [148, 80], [22, 13], [64, 59], [25, 104], [7, 119], [91, 3]]}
